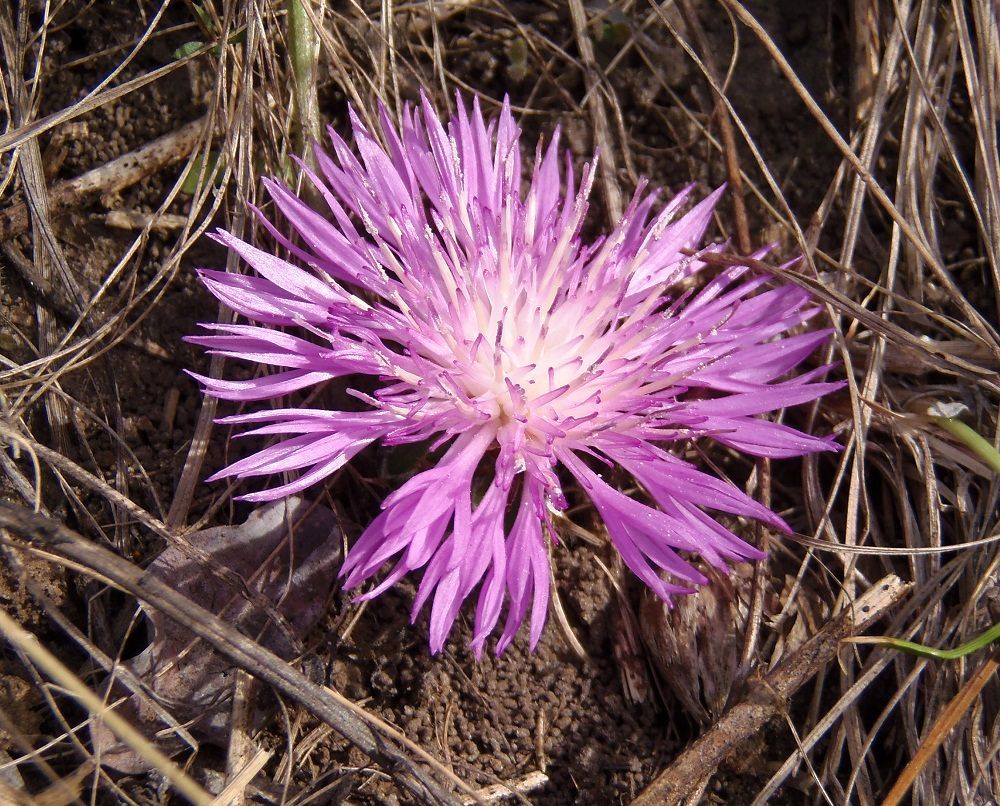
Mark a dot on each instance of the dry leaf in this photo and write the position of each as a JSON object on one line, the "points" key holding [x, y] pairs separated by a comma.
{"points": [[192, 682]]}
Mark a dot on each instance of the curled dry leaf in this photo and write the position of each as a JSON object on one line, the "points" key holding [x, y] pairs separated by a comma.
{"points": [[694, 643], [189, 679]]}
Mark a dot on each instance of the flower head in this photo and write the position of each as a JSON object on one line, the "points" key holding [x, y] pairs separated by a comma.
{"points": [[493, 328]]}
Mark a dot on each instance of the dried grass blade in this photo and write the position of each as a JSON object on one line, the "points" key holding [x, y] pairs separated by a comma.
{"points": [[947, 720]]}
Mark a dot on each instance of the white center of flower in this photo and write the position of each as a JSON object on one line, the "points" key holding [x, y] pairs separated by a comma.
{"points": [[531, 366]]}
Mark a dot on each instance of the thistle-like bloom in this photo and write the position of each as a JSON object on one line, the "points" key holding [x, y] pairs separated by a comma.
{"points": [[494, 329]]}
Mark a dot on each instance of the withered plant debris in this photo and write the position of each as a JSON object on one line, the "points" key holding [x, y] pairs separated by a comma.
{"points": [[288, 551]]}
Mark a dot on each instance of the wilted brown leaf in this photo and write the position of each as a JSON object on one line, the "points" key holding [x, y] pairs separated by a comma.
{"points": [[186, 675]]}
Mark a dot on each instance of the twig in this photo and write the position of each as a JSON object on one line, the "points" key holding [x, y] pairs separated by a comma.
{"points": [[755, 617], [240, 167], [111, 177], [78, 474], [135, 220], [769, 696], [184, 492], [98, 658], [607, 166], [51, 294], [56, 541], [49, 260]]}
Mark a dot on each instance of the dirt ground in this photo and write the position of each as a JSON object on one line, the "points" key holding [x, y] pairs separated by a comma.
{"points": [[132, 414]]}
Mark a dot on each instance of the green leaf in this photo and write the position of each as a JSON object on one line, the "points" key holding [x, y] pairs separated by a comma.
{"points": [[615, 34], [187, 49], [204, 17], [194, 173], [517, 52]]}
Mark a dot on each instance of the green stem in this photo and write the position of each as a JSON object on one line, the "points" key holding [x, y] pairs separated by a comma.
{"points": [[972, 440], [977, 643], [302, 51]]}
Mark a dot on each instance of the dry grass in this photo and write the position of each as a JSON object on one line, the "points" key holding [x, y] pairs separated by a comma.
{"points": [[902, 247]]}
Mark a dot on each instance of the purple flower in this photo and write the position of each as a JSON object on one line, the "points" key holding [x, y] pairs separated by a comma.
{"points": [[492, 327]]}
